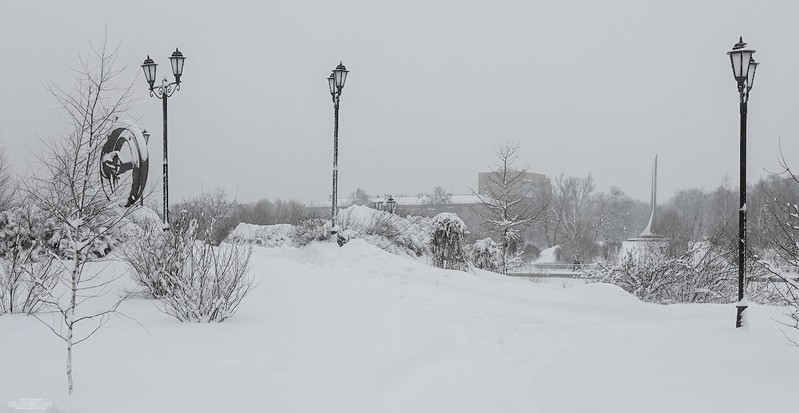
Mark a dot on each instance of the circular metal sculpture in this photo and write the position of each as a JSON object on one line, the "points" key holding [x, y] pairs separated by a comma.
{"points": [[125, 150]]}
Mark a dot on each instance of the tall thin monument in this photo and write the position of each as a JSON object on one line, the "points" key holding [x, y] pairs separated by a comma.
{"points": [[649, 231]]}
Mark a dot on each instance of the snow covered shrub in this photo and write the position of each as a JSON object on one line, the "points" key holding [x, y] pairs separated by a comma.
{"points": [[383, 224], [27, 243], [212, 210], [647, 276], [281, 235], [202, 282], [149, 255], [193, 280], [447, 238], [311, 230], [271, 236], [391, 232], [657, 277], [484, 254]]}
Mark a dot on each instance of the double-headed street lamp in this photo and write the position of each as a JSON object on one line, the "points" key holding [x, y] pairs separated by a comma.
{"points": [[336, 83], [163, 92], [743, 69]]}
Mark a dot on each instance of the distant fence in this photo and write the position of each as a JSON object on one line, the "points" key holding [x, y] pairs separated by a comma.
{"points": [[550, 270]]}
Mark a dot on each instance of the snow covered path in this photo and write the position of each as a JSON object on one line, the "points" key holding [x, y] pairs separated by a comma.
{"points": [[356, 329]]}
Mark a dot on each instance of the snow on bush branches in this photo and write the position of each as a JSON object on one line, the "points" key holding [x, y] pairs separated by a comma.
{"points": [[654, 275], [447, 239], [193, 280], [27, 243], [485, 254], [393, 233]]}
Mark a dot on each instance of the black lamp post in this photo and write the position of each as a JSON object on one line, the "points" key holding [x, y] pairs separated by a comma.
{"points": [[163, 92], [743, 69], [336, 83], [391, 203]]}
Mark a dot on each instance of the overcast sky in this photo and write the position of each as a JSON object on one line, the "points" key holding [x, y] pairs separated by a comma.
{"points": [[582, 86]]}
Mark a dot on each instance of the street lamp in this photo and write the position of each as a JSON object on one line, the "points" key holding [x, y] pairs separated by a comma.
{"points": [[391, 203], [163, 92], [743, 69], [336, 83]]}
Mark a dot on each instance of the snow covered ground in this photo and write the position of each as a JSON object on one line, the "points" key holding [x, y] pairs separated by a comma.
{"points": [[356, 329]]}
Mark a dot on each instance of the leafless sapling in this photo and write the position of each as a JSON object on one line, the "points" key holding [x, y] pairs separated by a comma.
{"points": [[66, 186]]}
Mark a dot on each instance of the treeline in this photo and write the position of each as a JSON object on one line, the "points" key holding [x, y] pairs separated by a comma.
{"points": [[588, 223]]}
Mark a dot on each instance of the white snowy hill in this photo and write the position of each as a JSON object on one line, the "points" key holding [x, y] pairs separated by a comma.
{"points": [[356, 329]]}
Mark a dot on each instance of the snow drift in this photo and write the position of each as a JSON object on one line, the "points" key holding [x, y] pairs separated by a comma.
{"points": [[356, 329]]}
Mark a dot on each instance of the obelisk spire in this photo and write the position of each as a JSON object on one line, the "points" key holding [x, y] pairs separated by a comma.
{"points": [[649, 231]]}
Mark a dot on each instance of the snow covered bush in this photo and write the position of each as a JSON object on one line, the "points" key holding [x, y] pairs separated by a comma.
{"points": [[149, 255], [311, 230], [659, 277], [28, 241], [203, 282], [281, 235], [393, 233], [646, 276], [213, 211], [447, 239], [396, 234], [271, 236], [192, 279], [484, 254]]}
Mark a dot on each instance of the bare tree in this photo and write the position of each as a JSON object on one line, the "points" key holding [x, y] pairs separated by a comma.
{"points": [[782, 233], [67, 187], [573, 212], [435, 203], [439, 196], [609, 214], [8, 187], [359, 197], [506, 203]]}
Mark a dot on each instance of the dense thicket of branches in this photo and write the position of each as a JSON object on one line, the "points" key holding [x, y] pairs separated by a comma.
{"points": [[193, 278], [28, 242], [776, 239]]}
